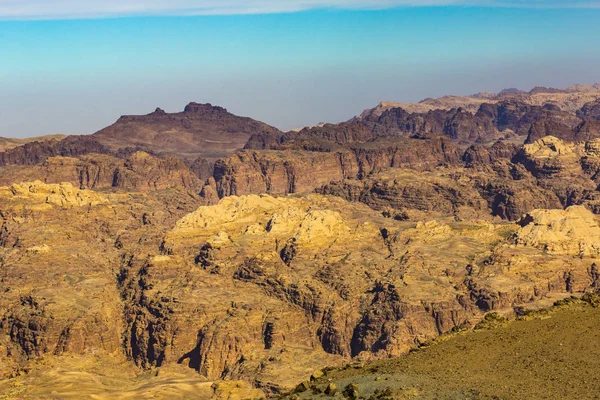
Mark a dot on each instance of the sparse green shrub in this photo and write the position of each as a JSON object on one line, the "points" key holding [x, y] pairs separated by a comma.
{"points": [[491, 321]]}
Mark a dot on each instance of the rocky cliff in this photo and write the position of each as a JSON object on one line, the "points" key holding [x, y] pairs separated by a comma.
{"points": [[140, 172], [301, 171], [408, 176], [234, 278], [258, 288]]}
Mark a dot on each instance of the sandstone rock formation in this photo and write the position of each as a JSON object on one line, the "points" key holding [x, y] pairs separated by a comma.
{"points": [[140, 171], [298, 171], [32, 194], [11, 143], [499, 180], [60, 249], [310, 253], [590, 110], [506, 119], [281, 172], [409, 194], [574, 231], [247, 288], [37, 152], [196, 270]]}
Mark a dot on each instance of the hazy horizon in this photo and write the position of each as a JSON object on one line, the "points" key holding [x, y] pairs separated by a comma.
{"points": [[289, 69]]}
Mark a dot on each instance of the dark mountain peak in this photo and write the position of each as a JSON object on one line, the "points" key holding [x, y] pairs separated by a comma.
{"points": [[511, 91], [201, 130], [198, 108], [542, 89]]}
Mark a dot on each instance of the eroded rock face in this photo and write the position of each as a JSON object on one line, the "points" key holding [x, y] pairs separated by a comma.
{"points": [[257, 288], [492, 189], [293, 171], [57, 291], [309, 254], [39, 151], [420, 176], [590, 110], [549, 173], [573, 231], [60, 248], [406, 194], [281, 172], [295, 254], [491, 121], [140, 171], [40, 195], [187, 265]]}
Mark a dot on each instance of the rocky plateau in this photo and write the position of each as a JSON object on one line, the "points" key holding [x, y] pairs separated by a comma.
{"points": [[205, 255]]}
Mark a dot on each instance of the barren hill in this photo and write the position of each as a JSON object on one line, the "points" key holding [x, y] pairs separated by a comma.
{"points": [[11, 143], [201, 130]]}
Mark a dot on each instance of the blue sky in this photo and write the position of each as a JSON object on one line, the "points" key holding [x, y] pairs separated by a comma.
{"points": [[70, 70]]}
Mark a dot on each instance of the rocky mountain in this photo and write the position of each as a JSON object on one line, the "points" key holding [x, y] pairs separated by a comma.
{"points": [[512, 120], [10, 143], [241, 276], [36, 152], [202, 133], [424, 177], [201, 130], [570, 99], [199, 135], [140, 172], [258, 288]]}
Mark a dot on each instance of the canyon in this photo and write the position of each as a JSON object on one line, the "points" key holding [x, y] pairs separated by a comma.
{"points": [[209, 255]]}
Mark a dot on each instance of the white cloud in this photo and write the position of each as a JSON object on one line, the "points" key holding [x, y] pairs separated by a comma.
{"points": [[54, 9]]}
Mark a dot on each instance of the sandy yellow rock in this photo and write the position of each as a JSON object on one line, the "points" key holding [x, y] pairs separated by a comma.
{"points": [[574, 231], [257, 288], [64, 195], [310, 220], [550, 147]]}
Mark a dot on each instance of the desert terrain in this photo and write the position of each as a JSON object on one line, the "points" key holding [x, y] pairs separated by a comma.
{"points": [[413, 251]]}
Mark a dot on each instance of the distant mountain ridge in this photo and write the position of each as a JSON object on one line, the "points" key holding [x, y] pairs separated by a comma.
{"points": [[201, 130], [11, 143], [199, 135], [202, 133], [570, 99]]}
